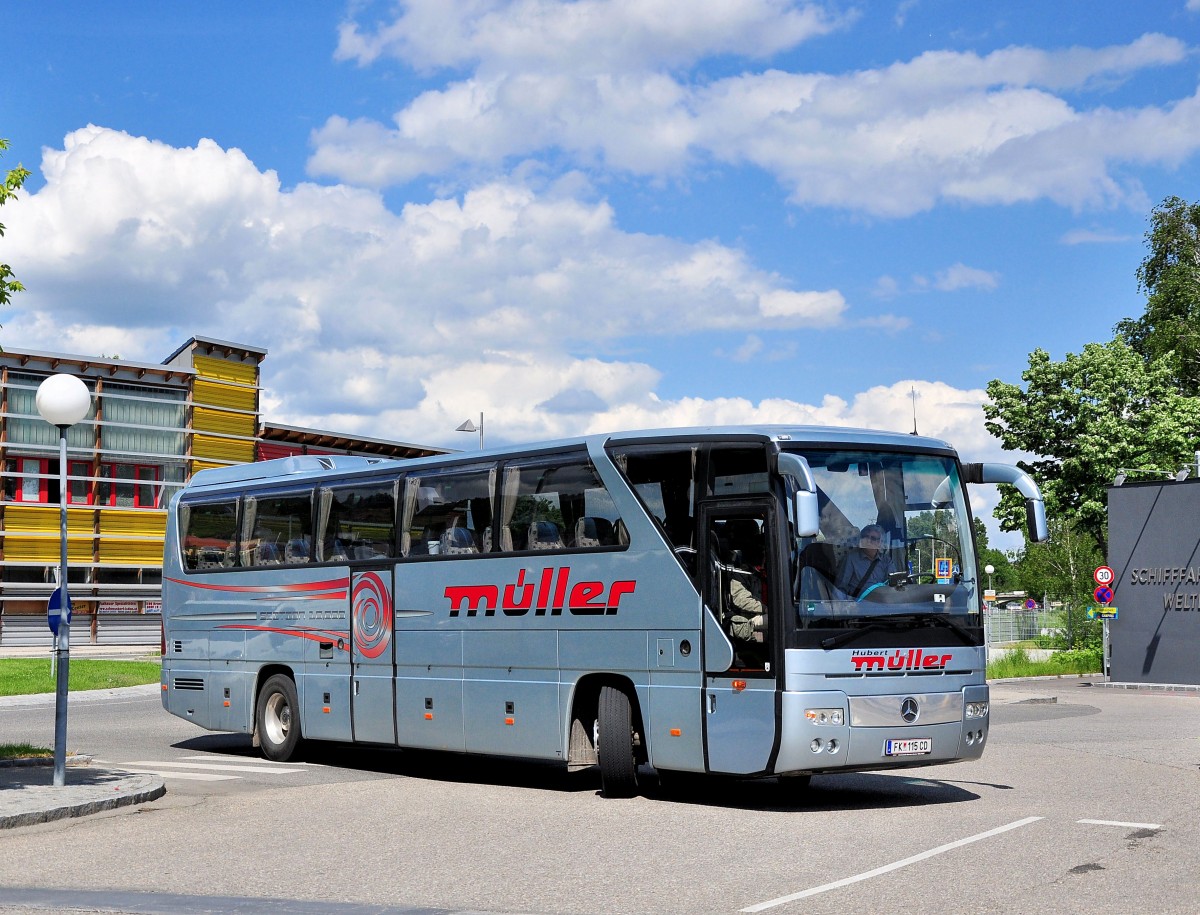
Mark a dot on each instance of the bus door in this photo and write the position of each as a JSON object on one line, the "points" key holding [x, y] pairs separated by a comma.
{"points": [[740, 702], [372, 647]]}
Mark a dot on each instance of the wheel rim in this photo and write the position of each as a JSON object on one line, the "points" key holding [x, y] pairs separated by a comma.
{"points": [[278, 719]]}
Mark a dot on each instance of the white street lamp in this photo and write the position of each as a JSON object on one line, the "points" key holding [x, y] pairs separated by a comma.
{"points": [[989, 568], [469, 426], [62, 400]]}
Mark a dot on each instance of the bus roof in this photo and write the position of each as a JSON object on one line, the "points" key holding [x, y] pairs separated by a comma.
{"points": [[301, 467]]}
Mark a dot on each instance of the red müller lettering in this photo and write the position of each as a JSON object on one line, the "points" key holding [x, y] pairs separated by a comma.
{"points": [[555, 592]]}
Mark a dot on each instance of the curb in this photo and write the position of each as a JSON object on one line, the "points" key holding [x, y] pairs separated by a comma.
{"points": [[44, 803], [21, 762]]}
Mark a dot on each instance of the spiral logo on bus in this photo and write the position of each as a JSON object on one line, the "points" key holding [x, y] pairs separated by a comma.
{"points": [[372, 615]]}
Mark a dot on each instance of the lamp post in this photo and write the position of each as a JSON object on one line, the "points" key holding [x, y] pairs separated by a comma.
{"points": [[62, 400], [469, 426]]}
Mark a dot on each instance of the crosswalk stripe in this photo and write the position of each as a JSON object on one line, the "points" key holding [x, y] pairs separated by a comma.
{"points": [[216, 767], [186, 776], [290, 765]]}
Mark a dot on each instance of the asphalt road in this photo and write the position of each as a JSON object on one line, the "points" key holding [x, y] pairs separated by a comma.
{"points": [[1085, 801]]}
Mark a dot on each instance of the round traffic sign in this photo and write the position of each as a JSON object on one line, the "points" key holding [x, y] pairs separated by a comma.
{"points": [[1103, 594], [1104, 575]]}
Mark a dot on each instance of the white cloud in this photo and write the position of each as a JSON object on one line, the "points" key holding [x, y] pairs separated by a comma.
{"points": [[617, 84], [886, 287], [891, 324], [400, 326], [1095, 236], [508, 275], [960, 276], [596, 35]]}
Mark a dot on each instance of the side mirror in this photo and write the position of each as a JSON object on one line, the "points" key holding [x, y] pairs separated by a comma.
{"points": [[805, 510], [1035, 507]]}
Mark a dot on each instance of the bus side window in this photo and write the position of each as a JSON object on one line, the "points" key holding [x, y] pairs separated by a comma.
{"points": [[357, 522], [556, 505], [448, 513], [209, 538], [277, 529], [664, 479]]}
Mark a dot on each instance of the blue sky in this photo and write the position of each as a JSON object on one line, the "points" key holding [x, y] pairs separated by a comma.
{"points": [[597, 214]]}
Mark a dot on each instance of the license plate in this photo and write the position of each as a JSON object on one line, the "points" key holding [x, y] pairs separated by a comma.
{"points": [[909, 746]]}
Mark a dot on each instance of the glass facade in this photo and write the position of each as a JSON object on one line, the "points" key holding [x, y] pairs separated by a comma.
{"points": [[125, 459]]}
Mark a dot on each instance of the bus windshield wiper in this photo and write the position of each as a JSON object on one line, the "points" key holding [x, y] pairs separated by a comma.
{"points": [[836, 641], [899, 622], [937, 619]]}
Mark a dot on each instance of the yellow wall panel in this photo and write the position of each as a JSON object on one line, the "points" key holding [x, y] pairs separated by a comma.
{"points": [[205, 419], [133, 523], [222, 449], [131, 552], [224, 370], [46, 519], [223, 395], [46, 549]]}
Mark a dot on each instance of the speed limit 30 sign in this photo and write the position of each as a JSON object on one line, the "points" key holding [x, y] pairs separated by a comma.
{"points": [[1104, 575]]}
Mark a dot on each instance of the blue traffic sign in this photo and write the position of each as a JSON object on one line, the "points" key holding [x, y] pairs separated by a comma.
{"points": [[1103, 594], [56, 615]]}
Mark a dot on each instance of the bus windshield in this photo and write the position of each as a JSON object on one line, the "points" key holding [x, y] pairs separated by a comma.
{"points": [[894, 540]]}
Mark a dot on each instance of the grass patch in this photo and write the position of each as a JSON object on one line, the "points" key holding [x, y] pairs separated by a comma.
{"points": [[1062, 663], [24, 676], [22, 750]]}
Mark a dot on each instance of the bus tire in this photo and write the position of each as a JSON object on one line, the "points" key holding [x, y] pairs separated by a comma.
{"points": [[277, 718], [614, 744]]}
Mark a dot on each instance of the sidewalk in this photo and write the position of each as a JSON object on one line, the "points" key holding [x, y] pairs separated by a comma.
{"points": [[27, 792]]}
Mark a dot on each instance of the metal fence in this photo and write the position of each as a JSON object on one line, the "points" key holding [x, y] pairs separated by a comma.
{"points": [[1005, 627], [22, 631]]}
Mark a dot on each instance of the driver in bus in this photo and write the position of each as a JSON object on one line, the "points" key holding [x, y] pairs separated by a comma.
{"points": [[866, 565]]}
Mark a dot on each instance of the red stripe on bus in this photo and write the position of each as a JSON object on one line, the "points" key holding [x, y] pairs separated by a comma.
{"points": [[331, 584], [310, 634]]}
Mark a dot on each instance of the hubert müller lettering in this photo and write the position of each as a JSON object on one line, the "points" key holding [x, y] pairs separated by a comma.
{"points": [[549, 591]]}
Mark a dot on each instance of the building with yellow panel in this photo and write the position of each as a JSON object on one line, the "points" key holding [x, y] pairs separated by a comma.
{"points": [[150, 428]]}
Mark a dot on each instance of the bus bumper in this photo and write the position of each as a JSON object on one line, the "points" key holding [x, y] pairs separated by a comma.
{"points": [[828, 731]]}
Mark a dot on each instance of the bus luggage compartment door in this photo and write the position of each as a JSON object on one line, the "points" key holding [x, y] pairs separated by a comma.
{"points": [[372, 687]]}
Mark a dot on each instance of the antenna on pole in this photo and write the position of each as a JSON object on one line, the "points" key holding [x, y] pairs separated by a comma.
{"points": [[913, 391]]}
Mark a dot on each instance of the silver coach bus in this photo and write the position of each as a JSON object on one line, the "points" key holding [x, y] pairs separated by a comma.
{"points": [[751, 601]]}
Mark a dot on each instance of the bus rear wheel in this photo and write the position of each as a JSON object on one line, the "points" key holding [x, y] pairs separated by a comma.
{"points": [[277, 718], [615, 744]]}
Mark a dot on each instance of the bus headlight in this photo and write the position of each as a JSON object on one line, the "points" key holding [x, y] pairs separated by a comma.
{"points": [[833, 716], [977, 710]]}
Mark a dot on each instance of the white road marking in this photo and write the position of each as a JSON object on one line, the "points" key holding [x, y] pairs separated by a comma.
{"points": [[888, 868], [291, 765], [185, 776], [216, 767], [1122, 825]]}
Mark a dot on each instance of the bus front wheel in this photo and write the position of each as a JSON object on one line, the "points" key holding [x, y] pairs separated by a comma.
{"points": [[278, 718], [615, 744]]}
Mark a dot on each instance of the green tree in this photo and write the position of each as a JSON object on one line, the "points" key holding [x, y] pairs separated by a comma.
{"points": [[1170, 277], [1085, 418], [13, 181], [1004, 578], [1061, 569]]}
